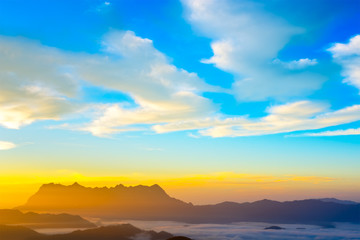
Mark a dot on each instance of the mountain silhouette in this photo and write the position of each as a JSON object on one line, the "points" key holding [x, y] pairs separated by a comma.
{"points": [[334, 200], [17, 233], [116, 232], [152, 203], [300, 211], [180, 238], [31, 219], [139, 202]]}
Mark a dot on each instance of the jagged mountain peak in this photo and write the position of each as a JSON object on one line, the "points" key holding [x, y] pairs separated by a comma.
{"points": [[119, 186]]}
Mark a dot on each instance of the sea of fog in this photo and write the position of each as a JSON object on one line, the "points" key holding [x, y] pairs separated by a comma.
{"points": [[241, 231]]}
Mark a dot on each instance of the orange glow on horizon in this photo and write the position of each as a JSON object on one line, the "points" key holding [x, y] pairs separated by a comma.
{"points": [[221, 186]]}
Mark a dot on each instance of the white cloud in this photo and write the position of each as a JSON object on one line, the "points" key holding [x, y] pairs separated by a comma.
{"points": [[193, 135], [201, 123], [246, 39], [298, 109], [346, 49], [101, 8], [162, 92], [348, 55], [35, 83], [6, 145], [352, 131], [297, 64], [290, 117], [40, 83]]}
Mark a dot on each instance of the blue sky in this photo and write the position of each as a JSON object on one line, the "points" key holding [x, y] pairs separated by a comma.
{"points": [[186, 87]]}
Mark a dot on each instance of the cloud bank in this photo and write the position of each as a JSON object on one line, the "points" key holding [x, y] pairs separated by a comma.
{"points": [[43, 83], [240, 231], [166, 98]]}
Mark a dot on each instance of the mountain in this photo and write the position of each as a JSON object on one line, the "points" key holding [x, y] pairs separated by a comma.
{"points": [[139, 202], [116, 232], [10, 216], [17, 233], [301, 211], [152, 203], [334, 200], [179, 238]]}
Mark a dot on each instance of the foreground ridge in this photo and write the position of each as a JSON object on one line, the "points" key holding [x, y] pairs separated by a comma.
{"points": [[36, 220], [115, 232]]}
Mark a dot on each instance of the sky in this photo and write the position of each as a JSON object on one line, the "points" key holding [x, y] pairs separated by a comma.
{"points": [[214, 100]]}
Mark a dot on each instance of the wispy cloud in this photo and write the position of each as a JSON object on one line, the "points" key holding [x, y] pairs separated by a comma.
{"points": [[193, 135], [100, 8], [246, 39], [297, 64], [347, 132], [6, 145], [51, 82], [42, 83], [162, 92], [290, 117], [35, 83]]}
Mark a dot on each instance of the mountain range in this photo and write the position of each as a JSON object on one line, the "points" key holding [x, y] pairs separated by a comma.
{"points": [[334, 200], [35, 220], [139, 202], [153, 203], [116, 232]]}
